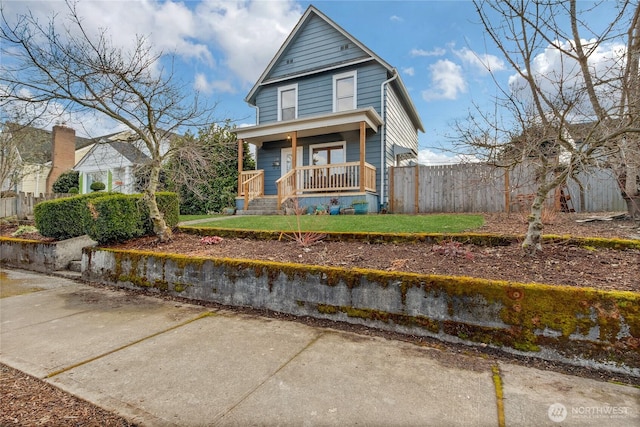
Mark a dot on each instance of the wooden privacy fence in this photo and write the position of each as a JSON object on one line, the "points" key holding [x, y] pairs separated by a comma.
{"points": [[485, 188], [22, 205]]}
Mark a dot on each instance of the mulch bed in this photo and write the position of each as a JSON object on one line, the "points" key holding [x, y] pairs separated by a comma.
{"points": [[558, 264], [27, 401]]}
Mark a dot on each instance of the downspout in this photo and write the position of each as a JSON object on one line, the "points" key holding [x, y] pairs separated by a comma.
{"points": [[257, 113], [383, 132], [255, 163]]}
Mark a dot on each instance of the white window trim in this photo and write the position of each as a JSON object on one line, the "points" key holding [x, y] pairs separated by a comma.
{"points": [[340, 76], [327, 144], [284, 89]]}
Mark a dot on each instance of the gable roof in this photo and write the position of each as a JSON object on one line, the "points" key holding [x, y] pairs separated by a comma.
{"points": [[129, 152], [367, 55], [35, 145]]}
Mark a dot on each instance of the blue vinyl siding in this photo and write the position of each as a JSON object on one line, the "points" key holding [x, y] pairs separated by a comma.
{"points": [[400, 130], [370, 77], [315, 92], [316, 46], [314, 95]]}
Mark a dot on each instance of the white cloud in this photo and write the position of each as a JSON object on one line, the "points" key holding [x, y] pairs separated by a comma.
{"points": [[556, 73], [248, 32], [409, 71], [396, 18], [483, 63], [170, 26], [202, 84], [428, 157], [438, 51], [447, 81]]}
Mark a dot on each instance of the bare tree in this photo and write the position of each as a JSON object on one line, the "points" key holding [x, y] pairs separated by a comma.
{"points": [[573, 118], [10, 162], [65, 65]]}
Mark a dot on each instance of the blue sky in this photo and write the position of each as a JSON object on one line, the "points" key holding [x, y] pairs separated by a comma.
{"points": [[222, 47]]}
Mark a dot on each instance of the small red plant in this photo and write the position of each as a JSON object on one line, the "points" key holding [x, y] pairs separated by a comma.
{"points": [[211, 240]]}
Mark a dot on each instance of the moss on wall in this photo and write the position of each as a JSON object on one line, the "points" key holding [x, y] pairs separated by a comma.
{"points": [[585, 320]]}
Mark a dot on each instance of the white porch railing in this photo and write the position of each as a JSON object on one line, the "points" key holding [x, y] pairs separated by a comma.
{"points": [[339, 177], [251, 185]]}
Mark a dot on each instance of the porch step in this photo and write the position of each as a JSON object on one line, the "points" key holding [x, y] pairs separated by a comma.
{"points": [[262, 206]]}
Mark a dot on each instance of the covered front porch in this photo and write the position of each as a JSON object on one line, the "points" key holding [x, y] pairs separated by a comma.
{"points": [[323, 176]]}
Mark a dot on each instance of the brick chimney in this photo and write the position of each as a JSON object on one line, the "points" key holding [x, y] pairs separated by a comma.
{"points": [[63, 153]]}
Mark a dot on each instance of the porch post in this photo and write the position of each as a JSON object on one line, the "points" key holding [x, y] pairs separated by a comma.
{"points": [[294, 156], [363, 135], [240, 165]]}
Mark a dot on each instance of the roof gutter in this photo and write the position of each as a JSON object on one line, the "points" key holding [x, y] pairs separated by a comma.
{"points": [[383, 135]]}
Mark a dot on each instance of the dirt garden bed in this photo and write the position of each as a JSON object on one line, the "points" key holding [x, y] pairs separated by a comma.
{"points": [[559, 263]]}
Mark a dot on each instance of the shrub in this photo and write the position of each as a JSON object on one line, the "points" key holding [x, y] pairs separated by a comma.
{"points": [[66, 181], [114, 218], [97, 186], [105, 217], [73, 190], [63, 218]]}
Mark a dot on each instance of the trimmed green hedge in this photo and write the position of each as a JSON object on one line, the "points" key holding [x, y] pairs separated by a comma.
{"points": [[116, 218], [105, 217], [64, 218]]}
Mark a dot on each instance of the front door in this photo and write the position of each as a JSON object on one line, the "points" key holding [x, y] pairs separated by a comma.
{"points": [[286, 160]]}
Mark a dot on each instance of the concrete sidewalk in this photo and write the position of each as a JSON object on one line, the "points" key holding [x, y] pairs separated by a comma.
{"points": [[159, 362]]}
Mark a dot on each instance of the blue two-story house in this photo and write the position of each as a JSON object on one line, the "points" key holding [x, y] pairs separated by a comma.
{"points": [[332, 117]]}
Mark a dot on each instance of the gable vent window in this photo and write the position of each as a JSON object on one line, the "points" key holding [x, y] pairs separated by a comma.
{"points": [[344, 47], [288, 61]]}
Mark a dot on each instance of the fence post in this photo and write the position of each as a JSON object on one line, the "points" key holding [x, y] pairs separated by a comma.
{"points": [[416, 202], [391, 190], [507, 192], [20, 206]]}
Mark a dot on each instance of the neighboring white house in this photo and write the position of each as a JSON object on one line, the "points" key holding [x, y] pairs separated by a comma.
{"points": [[34, 149], [113, 160], [35, 175]]}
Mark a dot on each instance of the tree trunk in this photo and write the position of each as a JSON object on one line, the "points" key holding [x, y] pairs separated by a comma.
{"points": [[632, 196], [533, 240], [628, 180], [160, 227], [633, 207]]}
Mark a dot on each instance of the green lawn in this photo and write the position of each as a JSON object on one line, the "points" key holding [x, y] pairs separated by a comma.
{"points": [[437, 223]]}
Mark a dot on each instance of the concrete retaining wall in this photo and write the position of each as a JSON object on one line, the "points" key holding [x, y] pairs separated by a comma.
{"points": [[42, 256], [579, 326]]}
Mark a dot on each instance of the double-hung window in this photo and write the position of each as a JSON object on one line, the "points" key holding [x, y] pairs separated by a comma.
{"points": [[288, 102], [344, 91]]}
